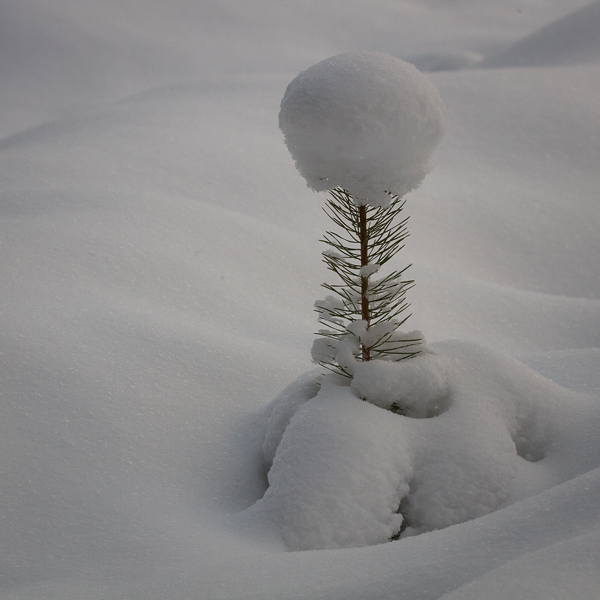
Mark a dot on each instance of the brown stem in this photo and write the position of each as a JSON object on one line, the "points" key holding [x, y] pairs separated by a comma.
{"points": [[364, 281]]}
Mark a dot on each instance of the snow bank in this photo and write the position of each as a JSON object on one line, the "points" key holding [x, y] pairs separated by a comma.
{"points": [[479, 431], [365, 121]]}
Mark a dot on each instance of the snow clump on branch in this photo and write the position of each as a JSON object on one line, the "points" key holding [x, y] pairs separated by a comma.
{"points": [[363, 121]]}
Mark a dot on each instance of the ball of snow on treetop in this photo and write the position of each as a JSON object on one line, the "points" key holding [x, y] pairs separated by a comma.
{"points": [[363, 121]]}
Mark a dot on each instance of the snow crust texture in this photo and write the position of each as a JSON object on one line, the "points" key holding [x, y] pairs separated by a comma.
{"points": [[479, 431], [364, 121]]}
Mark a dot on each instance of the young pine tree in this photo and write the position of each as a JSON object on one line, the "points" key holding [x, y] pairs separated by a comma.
{"points": [[363, 315], [358, 124]]}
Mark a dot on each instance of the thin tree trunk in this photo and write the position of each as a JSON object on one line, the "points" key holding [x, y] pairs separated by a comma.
{"points": [[364, 281]]}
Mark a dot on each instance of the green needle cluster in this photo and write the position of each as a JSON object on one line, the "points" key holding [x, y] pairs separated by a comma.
{"points": [[363, 315]]}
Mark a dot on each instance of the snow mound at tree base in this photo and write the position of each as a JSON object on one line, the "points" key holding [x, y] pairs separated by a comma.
{"points": [[480, 432]]}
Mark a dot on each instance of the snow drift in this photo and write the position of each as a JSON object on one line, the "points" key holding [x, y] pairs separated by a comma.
{"points": [[478, 431]]}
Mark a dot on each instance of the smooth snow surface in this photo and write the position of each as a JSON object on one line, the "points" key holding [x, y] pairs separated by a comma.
{"points": [[569, 569], [160, 261], [571, 40], [363, 121]]}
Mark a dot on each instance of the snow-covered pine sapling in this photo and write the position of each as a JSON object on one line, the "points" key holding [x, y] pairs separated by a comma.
{"points": [[363, 126], [363, 316]]}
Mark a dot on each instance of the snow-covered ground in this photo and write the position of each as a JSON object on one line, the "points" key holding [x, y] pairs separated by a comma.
{"points": [[160, 262]]}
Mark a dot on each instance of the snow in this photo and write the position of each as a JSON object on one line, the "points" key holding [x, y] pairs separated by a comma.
{"points": [[160, 261], [319, 503], [369, 270], [363, 121], [283, 408], [565, 570], [476, 432], [420, 385], [570, 40]]}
